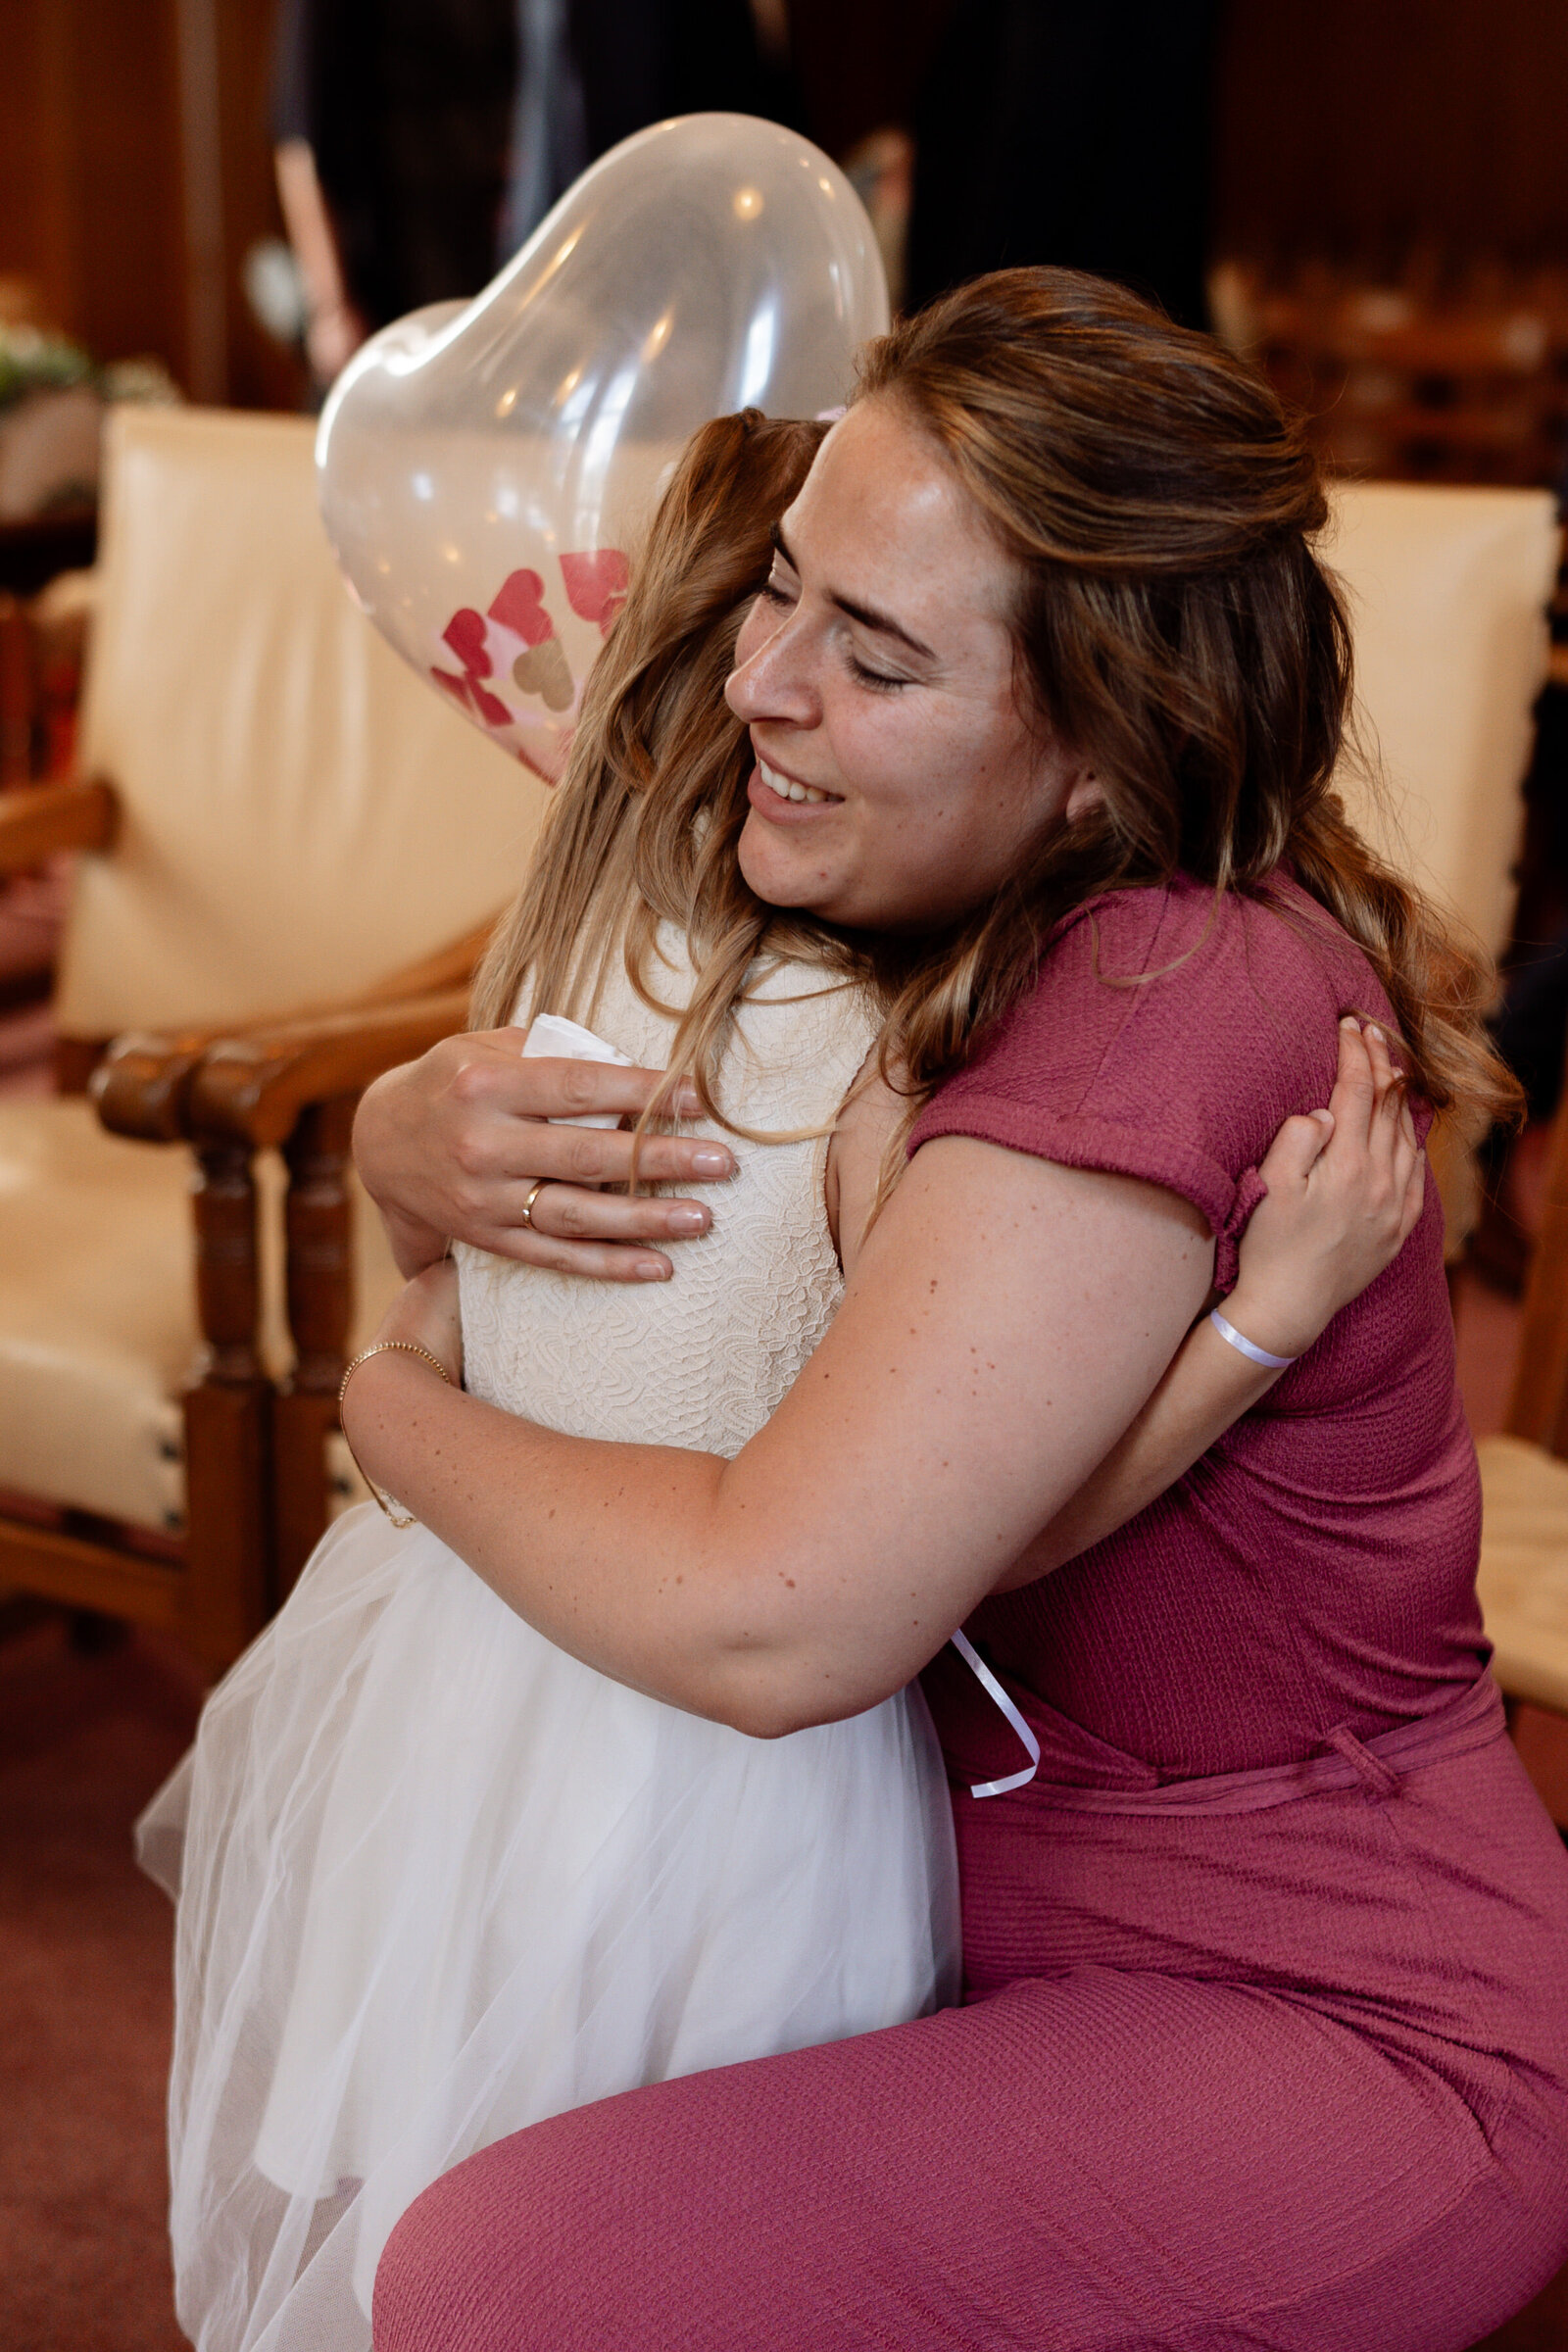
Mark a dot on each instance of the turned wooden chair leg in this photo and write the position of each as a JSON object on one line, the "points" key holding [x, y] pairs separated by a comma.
{"points": [[319, 1230], [228, 1553]]}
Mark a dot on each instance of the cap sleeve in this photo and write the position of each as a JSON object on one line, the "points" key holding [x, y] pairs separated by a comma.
{"points": [[1168, 1036]]}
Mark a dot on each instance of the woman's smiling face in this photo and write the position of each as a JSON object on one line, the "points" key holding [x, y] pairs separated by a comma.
{"points": [[897, 781]]}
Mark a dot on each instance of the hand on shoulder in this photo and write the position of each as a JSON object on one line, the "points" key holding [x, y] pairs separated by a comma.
{"points": [[1346, 1187]]}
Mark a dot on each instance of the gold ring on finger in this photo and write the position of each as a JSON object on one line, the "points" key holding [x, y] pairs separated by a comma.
{"points": [[527, 1206]]}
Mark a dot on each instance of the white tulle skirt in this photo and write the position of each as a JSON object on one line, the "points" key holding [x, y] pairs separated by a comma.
{"points": [[436, 1881]]}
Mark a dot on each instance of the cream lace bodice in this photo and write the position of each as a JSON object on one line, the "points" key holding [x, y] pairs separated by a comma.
{"points": [[700, 1361]]}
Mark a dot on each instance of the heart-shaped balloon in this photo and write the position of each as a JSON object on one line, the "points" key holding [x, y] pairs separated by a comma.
{"points": [[485, 467]]}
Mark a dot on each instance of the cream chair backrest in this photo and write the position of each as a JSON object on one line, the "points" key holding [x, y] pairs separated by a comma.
{"points": [[302, 815], [1447, 591]]}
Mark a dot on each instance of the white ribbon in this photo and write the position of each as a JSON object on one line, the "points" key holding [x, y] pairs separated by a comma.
{"points": [[993, 1690], [552, 1035]]}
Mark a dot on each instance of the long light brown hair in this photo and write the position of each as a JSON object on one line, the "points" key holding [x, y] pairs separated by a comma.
{"points": [[1172, 626]]}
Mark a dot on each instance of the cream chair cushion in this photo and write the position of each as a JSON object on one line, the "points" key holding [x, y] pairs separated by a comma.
{"points": [[98, 1334], [301, 816], [1523, 1568], [1447, 591], [301, 813]]}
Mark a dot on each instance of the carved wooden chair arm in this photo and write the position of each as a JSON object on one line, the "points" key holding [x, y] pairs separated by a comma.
{"points": [[295, 1084], [39, 821], [252, 1086], [256, 1087], [141, 1087]]}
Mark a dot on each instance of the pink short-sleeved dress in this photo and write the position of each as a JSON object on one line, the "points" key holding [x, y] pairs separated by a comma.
{"points": [[1265, 2037]]}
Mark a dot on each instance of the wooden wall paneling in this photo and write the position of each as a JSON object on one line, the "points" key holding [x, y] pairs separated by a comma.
{"points": [[135, 172], [127, 179], [262, 373], [1366, 132], [88, 175], [37, 225], [199, 114]]}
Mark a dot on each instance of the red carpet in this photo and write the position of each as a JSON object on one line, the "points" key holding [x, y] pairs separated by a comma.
{"points": [[84, 1958], [84, 1944]]}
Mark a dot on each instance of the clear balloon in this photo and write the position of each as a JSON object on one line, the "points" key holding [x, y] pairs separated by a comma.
{"points": [[485, 467]]}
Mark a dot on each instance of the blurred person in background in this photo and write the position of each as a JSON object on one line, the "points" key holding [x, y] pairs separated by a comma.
{"points": [[420, 142]]}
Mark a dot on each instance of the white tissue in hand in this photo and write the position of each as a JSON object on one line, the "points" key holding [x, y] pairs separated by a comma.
{"points": [[552, 1036]]}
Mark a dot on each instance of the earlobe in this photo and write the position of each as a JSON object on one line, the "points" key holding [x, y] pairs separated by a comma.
{"points": [[1084, 794]]}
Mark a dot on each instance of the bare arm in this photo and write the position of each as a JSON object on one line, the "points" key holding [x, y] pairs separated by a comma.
{"points": [[334, 328], [1345, 1187], [813, 1574], [952, 1410]]}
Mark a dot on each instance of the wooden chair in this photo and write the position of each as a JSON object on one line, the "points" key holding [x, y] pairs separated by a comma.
{"points": [[1414, 381], [18, 714], [274, 818], [269, 1112]]}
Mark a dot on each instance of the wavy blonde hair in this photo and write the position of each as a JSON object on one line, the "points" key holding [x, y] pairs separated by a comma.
{"points": [[1172, 623], [644, 826]]}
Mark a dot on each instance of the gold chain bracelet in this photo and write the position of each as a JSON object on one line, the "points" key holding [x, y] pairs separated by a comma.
{"points": [[394, 1510]]}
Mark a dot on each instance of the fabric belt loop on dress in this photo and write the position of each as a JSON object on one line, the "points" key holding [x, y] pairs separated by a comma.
{"points": [[994, 1690], [1375, 1777]]}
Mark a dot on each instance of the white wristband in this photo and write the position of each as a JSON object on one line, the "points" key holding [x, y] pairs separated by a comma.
{"points": [[1259, 1355]]}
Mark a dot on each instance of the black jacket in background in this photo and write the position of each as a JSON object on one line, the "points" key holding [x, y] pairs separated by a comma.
{"points": [[408, 106], [1075, 132]]}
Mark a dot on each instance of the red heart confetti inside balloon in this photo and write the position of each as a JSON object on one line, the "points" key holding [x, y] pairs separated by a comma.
{"points": [[596, 585]]}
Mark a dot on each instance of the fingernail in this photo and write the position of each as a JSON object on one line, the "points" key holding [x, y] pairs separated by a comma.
{"points": [[688, 1220], [689, 1102], [1347, 1021], [1373, 1030], [652, 1269], [715, 1162]]}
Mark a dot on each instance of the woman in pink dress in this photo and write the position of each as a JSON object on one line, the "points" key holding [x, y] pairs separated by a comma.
{"points": [[1264, 2040]]}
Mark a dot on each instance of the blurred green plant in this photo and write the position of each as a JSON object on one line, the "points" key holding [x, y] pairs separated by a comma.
{"points": [[32, 360]]}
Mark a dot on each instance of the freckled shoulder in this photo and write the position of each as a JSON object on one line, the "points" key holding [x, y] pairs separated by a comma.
{"points": [[870, 1113]]}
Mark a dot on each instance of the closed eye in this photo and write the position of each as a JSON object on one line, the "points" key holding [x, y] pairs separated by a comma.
{"points": [[781, 590], [881, 680]]}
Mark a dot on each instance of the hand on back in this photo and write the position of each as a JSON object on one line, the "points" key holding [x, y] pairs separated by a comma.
{"points": [[1345, 1187], [451, 1146]]}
